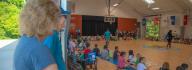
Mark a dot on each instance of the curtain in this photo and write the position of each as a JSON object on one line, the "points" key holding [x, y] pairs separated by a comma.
{"points": [[95, 25]]}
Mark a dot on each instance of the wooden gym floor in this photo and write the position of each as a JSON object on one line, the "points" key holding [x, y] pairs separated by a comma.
{"points": [[155, 52]]}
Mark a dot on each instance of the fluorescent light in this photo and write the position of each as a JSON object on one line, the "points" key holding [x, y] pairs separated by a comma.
{"points": [[149, 1], [155, 8], [116, 4]]}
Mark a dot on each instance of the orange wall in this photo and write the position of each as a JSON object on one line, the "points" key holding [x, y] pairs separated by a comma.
{"points": [[76, 22], [128, 24]]}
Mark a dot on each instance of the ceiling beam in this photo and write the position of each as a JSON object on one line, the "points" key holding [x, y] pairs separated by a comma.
{"points": [[134, 9], [181, 3]]}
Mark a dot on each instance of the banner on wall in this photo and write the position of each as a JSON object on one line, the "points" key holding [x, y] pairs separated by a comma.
{"points": [[152, 27], [156, 20], [185, 19], [173, 20]]}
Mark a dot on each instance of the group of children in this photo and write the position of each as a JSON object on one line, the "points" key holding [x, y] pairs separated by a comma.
{"points": [[80, 51], [165, 66], [116, 57], [133, 63], [119, 58], [125, 35]]}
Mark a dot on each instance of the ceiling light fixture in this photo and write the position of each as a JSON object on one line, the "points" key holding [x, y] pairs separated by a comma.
{"points": [[116, 4], [155, 8], [149, 1]]}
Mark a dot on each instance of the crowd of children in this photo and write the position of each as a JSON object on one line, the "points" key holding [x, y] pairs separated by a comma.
{"points": [[125, 35], [119, 59], [165, 66], [116, 57], [132, 62]]}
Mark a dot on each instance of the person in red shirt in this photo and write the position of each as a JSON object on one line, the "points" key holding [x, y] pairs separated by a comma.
{"points": [[87, 50]]}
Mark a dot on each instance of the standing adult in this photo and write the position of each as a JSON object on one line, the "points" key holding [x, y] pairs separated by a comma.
{"points": [[37, 20], [107, 36], [169, 38]]}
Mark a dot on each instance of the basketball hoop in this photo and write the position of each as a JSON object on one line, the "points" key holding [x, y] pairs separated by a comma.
{"points": [[109, 19]]}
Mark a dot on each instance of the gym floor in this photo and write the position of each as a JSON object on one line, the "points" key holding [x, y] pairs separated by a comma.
{"points": [[155, 53]]}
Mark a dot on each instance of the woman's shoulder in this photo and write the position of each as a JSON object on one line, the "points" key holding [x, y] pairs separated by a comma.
{"points": [[31, 44]]}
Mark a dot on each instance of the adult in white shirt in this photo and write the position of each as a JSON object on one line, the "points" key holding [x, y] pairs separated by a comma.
{"points": [[141, 65]]}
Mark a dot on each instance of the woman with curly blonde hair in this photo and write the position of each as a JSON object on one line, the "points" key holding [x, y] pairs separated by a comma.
{"points": [[37, 20]]}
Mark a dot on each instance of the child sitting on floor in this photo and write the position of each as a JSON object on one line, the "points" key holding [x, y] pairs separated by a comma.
{"points": [[121, 61], [87, 50], [138, 56], [115, 55], [165, 66], [96, 50], [142, 65], [105, 53], [131, 57]]}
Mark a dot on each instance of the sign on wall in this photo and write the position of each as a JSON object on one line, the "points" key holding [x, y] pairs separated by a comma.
{"points": [[173, 20], [185, 19]]}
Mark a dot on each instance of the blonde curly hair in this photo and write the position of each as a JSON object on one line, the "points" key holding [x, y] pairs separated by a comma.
{"points": [[39, 17]]}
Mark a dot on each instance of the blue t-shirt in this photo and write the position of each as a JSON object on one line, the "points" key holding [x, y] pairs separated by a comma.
{"points": [[31, 54], [54, 44], [107, 35]]}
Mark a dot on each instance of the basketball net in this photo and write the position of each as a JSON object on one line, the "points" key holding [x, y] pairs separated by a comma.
{"points": [[109, 19]]}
